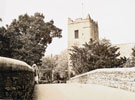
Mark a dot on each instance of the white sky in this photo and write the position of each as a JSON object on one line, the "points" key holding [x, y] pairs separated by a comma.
{"points": [[116, 18]]}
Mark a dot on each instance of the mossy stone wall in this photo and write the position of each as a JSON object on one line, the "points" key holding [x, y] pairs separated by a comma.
{"points": [[16, 80]]}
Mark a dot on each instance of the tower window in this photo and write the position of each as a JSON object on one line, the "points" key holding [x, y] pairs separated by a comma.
{"points": [[76, 32]]}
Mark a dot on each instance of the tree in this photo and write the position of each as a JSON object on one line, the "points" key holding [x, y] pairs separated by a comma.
{"points": [[57, 63], [95, 54], [49, 62], [47, 68], [62, 66], [4, 43], [29, 37]]}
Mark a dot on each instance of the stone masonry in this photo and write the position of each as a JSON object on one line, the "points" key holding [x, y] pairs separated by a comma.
{"points": [[16, 80], [122, 78]]}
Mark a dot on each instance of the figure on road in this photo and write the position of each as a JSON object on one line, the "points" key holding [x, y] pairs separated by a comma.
{"points": [[35, 67]]}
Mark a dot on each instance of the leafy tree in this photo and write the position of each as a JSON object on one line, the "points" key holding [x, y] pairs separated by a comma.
{"points": [[49, 62], [95, 54], [4, 43], [62, 66], [47, 68], [57, 63], [29, 37]]}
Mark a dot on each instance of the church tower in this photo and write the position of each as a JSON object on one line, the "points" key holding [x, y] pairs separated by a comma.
{"points": [[79, 32]]}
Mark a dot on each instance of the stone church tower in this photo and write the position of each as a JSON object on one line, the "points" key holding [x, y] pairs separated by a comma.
{"points": [[79, 32]]}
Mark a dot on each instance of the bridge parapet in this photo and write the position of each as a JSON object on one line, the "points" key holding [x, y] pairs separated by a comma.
{"points": [[123, 78], [16, 79]]}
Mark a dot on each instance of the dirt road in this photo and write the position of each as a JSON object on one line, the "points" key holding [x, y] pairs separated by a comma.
{"points": [[80, 92]]}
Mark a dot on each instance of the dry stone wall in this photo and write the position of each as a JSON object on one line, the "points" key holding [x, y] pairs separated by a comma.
{"points": [[16, 80], [123, 78]]}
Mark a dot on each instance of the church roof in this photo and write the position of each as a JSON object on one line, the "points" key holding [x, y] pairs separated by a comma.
{"points": [[125, 49]]}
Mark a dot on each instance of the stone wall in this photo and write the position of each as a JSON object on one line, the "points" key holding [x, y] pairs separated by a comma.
{"points": [[123, 78], [16, 80]]}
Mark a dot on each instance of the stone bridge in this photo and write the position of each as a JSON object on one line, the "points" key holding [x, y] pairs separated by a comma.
{"points": [[16, 80], [17, 83], [122, 78]]}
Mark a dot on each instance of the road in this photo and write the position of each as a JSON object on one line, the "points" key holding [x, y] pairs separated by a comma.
{"points": [[80, 92]]}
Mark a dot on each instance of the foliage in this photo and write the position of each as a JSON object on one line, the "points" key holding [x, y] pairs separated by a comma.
{"points": [[4, 43], [28, 37], [133, 52], [49, 62], [47, 68], [131, 61], [95, 54], [62, 66], [57, 63]]}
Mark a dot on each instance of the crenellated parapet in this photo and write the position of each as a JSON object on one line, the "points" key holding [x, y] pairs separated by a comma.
{"points": [[70, 20], [81, 20]]}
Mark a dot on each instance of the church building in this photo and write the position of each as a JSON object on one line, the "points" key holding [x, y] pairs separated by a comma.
{"points": [[81, 31]]}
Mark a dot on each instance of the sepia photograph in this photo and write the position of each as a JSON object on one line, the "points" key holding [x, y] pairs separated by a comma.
{"points": [[67, 50]]}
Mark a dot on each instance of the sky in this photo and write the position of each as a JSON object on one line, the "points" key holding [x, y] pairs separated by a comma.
{"points": [[116, 18]]}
